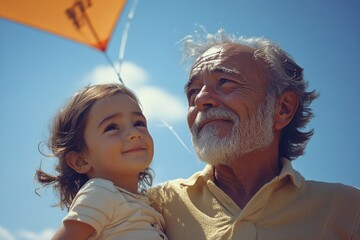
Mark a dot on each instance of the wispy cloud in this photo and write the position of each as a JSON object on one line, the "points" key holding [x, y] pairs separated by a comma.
{"points": [[46, 234], [29, 235], [132, 75], [158, 103], [5, 234]]}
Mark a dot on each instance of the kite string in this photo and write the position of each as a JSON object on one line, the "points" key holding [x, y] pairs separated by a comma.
{"points": [[121, 60], [125, 34], [172, 130], [123, 43], [114, 67]]}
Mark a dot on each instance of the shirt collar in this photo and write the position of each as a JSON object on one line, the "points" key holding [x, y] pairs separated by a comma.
{"points": [[206, 174], [287, 170]]}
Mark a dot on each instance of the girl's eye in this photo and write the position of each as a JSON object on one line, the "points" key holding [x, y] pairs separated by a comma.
{"points": [[111, 127], [139, 123]]}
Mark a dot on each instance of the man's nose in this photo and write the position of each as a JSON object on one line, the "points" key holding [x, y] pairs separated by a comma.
{"points": [[205, 99]]}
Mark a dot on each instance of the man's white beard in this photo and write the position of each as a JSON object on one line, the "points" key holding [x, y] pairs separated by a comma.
{"points": [[244, 137]]}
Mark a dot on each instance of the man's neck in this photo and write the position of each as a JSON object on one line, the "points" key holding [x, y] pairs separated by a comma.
{"points": [[246, 176]]}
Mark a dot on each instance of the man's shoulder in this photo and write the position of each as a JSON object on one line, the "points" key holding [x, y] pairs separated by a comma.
{"points": [[333, 190], [329, 186], [337, 203]]}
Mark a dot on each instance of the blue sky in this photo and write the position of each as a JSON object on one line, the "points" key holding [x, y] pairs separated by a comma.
{"points": [[40, 71]]}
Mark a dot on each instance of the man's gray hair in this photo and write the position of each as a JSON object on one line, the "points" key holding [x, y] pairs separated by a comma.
{"points": [[283, 72]]}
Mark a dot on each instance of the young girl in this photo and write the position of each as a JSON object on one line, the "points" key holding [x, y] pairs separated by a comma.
{"points": [[104, 150]]}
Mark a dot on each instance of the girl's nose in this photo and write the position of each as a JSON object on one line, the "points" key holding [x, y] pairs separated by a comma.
{"points": [[134, 134]]}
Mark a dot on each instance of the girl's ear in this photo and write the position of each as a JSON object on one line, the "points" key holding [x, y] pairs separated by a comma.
{"points": [[286, 107], [76, 161]]}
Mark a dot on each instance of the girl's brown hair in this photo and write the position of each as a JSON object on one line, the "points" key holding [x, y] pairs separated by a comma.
{"points": [[67, 134]]}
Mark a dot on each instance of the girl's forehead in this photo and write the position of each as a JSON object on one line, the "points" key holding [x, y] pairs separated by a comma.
{"points": [[118, 103], [118, 98]]}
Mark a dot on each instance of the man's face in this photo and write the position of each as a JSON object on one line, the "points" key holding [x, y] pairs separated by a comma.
{"points": [[228, 115]]}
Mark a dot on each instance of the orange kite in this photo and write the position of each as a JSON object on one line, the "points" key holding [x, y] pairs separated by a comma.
{"points": [[86, 21]]}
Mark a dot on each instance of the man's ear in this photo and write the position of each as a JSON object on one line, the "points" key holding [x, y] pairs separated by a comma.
{"points": [[286, 107], [76, 161]]}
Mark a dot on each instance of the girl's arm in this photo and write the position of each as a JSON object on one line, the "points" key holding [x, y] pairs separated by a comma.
{"points": [[73, 230]]}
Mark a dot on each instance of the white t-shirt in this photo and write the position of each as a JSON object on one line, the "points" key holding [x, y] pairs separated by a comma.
{"points": [[116, 213]]}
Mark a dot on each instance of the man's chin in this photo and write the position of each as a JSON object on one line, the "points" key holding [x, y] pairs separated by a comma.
{"points": [[212, 158], [217, 162]]}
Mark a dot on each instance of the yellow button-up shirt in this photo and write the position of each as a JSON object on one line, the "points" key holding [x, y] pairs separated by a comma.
{"points": [[288, 207]]}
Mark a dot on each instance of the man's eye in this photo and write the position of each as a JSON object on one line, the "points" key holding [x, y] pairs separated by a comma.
{"points": [[224, 80], [192, 92], [111, 127], [139, 123]]}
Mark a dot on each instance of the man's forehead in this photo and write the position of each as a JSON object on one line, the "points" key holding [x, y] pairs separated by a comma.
{"points": [[213, 51], [209, 57], [221, 55]]}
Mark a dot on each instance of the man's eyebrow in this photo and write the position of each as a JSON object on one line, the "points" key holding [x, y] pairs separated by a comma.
{"points": [[223, 69], [216, 69]]}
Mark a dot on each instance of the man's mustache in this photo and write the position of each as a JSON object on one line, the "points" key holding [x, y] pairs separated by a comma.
{"points": [[210, 115]]}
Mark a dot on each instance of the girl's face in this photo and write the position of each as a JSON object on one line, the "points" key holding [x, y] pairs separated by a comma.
{"points": [[119, 145]]}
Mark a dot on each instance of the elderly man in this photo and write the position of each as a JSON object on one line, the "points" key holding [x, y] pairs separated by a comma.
{"points": [[248, 106]]}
